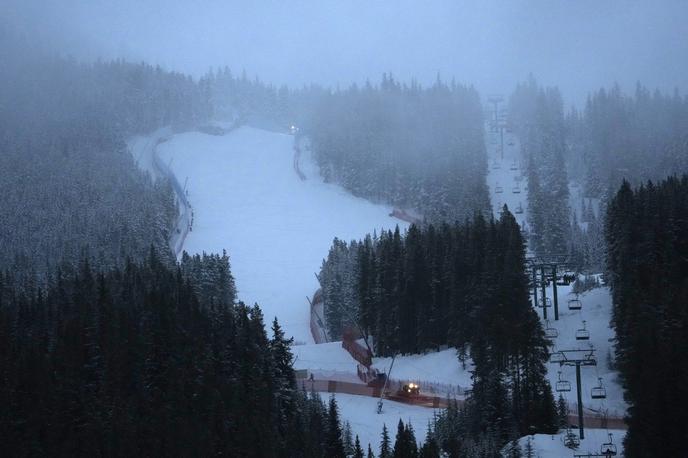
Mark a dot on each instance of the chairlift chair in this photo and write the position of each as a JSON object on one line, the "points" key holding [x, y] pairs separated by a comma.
{"points": [[519, 209], [513, 166], [608, 448], [516, 190], [598, 392], [583, 334], [495, 165], [590, 356], [551, 332], [571, 440], [546, 303], [562, 386], [575, 304], [499, 189]]}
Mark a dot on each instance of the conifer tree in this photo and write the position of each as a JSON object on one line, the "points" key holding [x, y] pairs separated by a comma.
{"points": [[334, 445], [385, 444], [358, 451], [430, 449]]}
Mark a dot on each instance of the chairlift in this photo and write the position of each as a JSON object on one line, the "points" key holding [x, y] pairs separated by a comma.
{"points": [[495, 165], [608, 448], [590, 356], [566, 278], [551, 332], [547, 302], [516, 190], [575, 304], [499, 189], [571, 440], [519, 209], [557, 357], [583, 334], [513, 166], [598, 392], [562, 386]]}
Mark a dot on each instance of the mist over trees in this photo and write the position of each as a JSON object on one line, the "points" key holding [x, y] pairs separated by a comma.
{"points": [[70, 187], [108, 346], [638, 137], [405, 145], [537, 116]]}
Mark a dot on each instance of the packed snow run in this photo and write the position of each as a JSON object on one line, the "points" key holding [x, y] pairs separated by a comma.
{"points": [[360, 412], [277, 228]]}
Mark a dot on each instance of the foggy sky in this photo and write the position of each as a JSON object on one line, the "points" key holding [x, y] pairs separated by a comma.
{"points": [[577, 45]]}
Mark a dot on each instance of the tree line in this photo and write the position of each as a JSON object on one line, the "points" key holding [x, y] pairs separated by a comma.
{"points": [[132, 362], [405, 145], [537, 116], [462, 285], [70, 188], [614, 136], [647, 269]]}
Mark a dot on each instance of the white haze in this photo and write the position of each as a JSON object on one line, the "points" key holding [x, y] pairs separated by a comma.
{"points": [[579, 46]]}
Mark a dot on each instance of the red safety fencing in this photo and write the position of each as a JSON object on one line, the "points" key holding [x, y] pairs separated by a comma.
{"points": [[316, 323], [598, 422], [358, 351], [333, 386], [393, 393]]}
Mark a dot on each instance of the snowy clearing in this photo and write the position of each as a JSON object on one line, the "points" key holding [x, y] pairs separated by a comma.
{"points": [[506, 177], [276, 228], [552, 446], [596, 311], [439, 371], [361, 413]]}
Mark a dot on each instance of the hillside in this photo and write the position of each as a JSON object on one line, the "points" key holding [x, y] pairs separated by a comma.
{"points": [[248, 200]]}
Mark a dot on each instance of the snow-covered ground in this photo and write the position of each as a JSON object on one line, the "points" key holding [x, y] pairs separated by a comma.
{"points": [[596, 312], [276, 228], [326, 361], [506, 177], [552, 446], [142, 149], [440, 371], [361, 413]]}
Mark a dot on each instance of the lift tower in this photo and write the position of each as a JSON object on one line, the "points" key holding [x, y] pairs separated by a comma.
{"points": [[576, 358], [547, 264]]}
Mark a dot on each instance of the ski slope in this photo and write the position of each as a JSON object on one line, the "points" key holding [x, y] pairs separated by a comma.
{"points": [[552, 446], [276, 228], [508, 174], [361, 413], [327, 361], [506, 177], [436, 372], [596, 312]]}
